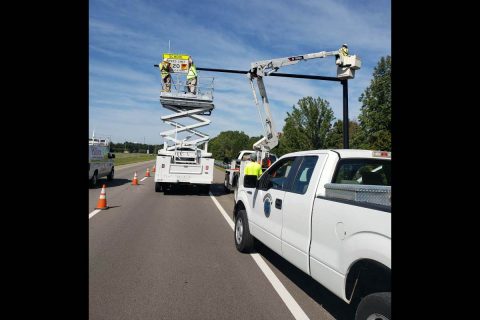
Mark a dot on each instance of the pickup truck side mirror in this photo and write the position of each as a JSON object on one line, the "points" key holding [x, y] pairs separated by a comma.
{"points": [[250, 181], [111, 156]]}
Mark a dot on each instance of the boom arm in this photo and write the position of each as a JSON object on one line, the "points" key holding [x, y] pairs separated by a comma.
{"points": [[264, 68]]}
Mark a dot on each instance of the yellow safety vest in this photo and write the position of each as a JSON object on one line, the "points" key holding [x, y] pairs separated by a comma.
{"points": [[192, 72], [344, 51], [165, 69], [253, 168]]}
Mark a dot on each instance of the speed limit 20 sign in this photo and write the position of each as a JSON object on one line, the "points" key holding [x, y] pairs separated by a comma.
{"points": [[178, 62]]}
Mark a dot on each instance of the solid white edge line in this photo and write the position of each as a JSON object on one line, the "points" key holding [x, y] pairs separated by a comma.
{"points": [[222, 211], [93, 213], [287, 298], [143, 179]]}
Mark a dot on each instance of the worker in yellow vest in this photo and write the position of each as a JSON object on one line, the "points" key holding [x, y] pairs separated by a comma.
{"points": [[342, 52], [253, 168], [191, 76], [166, 77]]}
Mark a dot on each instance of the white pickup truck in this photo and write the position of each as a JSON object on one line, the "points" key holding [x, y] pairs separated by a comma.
{"points": [[328, 213]]}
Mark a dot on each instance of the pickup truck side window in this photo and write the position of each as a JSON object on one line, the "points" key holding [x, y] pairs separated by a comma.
{"points": [[363, 171], [304, 174], [277, 176]]}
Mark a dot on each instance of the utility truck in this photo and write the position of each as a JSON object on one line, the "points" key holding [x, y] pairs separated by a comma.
{"points": [[328, 212], [182, 160], [232, 173], [100, 160]]}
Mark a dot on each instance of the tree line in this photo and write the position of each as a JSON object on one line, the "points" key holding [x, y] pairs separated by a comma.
{"points": [[133, 147], [311, 123]]}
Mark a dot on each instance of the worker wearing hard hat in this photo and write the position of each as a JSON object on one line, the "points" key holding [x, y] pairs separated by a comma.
{"points": [[344, 50], [191, 76], [166, 77], [253, 168]]}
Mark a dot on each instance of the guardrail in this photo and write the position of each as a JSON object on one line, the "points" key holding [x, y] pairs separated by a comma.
{"points": [[221, 164]]}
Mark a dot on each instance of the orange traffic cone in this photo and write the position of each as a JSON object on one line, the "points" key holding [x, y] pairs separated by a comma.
{"points": [[147, 174], [102, 200], [153, 169], [135, 181]]}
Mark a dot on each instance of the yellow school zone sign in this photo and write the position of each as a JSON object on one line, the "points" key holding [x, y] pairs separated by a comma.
{"points": [[178, 62]]}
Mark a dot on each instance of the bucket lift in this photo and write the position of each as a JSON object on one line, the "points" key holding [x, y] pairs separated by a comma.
{"points": [[346, 66]]}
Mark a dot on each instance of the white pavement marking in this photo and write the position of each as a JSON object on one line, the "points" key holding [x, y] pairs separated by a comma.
{"points": [[225, 215], [287, 298], [143, 179], [93, 213]]}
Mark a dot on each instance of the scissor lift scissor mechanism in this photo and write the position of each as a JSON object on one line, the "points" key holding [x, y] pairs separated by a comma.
{"points": [[187, 105]]}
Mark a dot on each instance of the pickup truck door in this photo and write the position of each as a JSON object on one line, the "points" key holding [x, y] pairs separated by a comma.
{"points": [[297, 210], [266, 213]]}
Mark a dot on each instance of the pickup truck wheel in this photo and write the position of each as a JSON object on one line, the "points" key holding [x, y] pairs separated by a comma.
{"points": [[225, 183], [158, 187], [110, 176], [94, 179], [375, 306], [243, 238]]}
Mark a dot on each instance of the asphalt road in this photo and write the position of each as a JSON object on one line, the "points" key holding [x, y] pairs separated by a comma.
{"points": [[172, 256]]}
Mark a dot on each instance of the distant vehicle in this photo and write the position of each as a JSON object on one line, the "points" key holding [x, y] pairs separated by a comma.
{"points": [[100, 160]]}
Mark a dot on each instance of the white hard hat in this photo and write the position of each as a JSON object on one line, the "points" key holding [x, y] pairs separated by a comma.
{"points": [[345, 45]]}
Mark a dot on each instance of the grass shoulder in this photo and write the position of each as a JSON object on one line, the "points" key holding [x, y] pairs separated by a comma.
{"points": [[126, 158]]}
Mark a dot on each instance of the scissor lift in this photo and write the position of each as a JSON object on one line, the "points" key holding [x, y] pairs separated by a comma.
{"points": [[181, 161]]}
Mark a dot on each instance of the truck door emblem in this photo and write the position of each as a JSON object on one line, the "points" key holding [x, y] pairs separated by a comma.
{"points": [[267, 204]]}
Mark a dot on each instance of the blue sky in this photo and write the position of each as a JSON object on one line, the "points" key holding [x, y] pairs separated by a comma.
{"points": [[126, 38]]}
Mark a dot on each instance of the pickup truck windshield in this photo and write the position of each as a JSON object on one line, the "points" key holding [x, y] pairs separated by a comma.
{"points": [[363, 171]]}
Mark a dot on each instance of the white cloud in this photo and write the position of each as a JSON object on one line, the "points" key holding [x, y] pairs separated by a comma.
{"points": [[127, 38]]}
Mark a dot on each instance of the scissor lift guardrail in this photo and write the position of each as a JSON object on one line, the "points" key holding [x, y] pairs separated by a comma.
{"points": [[187, 105]]}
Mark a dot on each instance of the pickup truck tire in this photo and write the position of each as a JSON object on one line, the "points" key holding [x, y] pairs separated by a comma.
{"points": [[158, 187], [243, 239], [225, 183], [375, 306], [111, 175], [94, 179]]}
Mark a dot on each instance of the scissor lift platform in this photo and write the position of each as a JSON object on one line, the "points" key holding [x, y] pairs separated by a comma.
{"points": [[186, 100]]}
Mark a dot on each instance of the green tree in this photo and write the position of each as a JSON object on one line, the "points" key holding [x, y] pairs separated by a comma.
{"points": [[307, 126], [227, 144], [335, 135], [376, 112], [251, 141]]}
